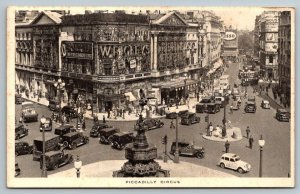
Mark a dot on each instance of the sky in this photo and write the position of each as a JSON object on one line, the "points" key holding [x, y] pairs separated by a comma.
{"points": [[241, 17]]}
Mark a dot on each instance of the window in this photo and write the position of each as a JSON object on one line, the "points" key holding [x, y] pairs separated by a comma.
{"points": [[231, 160], [270, 59], [226, 158]]}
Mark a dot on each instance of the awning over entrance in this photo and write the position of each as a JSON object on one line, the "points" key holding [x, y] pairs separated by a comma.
{"points": [[179, 83], [217, 65], [130, 96]]}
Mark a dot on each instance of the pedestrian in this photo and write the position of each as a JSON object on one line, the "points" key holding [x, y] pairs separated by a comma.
{"points": [[251, 142], [229, 124], [172, 126], [104, 119], [231, 108], [227, 145], [108, 113], [211, 128], [248, 132]]}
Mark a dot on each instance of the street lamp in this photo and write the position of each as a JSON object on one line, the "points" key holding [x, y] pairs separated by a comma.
{"points": [[77, 165], [60, 86], [224, 133], [78, 104], [176, 155], [261, 143], [44, 170]]}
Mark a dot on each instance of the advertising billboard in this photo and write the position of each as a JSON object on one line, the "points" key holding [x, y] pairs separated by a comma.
{"points": [[271, 27], [79, 50], [230, 39], [271, 47], [272, 37]]}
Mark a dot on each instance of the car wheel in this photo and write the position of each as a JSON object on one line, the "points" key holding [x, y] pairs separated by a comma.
{"points": [[240, 170], [199, 155], [73, 146], [55, 166], [222, 165], [65, 144]]}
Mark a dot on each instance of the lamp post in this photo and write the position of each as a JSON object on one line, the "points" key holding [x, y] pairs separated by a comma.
{"points": [[224, 133], [60, 86], [44, 170], [261, 143], [176, 155], [78, 104], [77, 165]]}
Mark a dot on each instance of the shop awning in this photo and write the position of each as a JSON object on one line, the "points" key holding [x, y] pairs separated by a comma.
{"points": [[218, 64], [130, 96], [177, 84]]}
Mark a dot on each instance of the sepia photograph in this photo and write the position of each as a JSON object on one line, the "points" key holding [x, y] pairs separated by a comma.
{"points": [[138, 97]]}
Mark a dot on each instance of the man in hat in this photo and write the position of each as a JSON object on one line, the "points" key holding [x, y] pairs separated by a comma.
{"points": [[227, 144], [251, 142], [248, 132]]}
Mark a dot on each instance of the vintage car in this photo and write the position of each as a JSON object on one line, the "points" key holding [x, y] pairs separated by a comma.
{"points": [[70, 111], [250, 107], [106, 133], [22, 148], [173, 115], [189, 118], [265, 104], [28, 112], [64, 129], [201, 107], [53, 105], [18, 99], [220, 101], [235, 105], [212, 108], [95, 131], [150, 124], [121, 139], [55, 159], [282, 115], [17, 169], [74, 139], [187, 149], [20, 131], [47, 125], [233, 161]]}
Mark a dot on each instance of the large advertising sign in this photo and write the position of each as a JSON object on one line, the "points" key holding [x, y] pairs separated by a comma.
{"points": [[230, 39], [272, 37], [271, 27], [271, 47], [79, 50]]}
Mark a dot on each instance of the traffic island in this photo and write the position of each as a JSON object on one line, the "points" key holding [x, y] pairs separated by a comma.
{"points": [[233, 134]]}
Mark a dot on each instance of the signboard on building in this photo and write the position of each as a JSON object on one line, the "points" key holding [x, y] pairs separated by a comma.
{"points": [[230, 39], [271, 27], [133, 63], [272, 37], [79, 50], [271, 47]]}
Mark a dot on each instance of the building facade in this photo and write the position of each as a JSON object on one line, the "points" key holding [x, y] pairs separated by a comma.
{"points": [[112, 59], [284, 54], [268, 42]]}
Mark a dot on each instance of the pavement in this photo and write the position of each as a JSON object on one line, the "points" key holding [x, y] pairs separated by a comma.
{"points": [[106, 168]]}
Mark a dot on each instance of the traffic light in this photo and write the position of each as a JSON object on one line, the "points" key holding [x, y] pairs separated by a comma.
{"points": [[206, 118], [164, 140]]}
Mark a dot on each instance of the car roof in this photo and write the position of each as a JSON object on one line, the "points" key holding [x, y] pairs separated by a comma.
{"points": [[71, 134], [282, 110], [64, 127], [50, 153], [109, 129], [232, 155], [250, 102], [122, 133], [47, 136], [266, 101]]}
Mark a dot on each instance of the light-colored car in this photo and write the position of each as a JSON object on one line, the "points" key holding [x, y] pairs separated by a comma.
{"points": [[265, 104], [233, 161]]}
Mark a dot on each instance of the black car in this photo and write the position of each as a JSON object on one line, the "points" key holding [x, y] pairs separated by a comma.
{"points": [[152, 124], [54, 105], [106, 133], [282, 115], [212, 108], [121, 139], [20, 131], [17, 169], [250, 107], [95, 131], [190, 118], [64, 129], [22, 148], [55, 159], [70, 111], [18, 99], [173, 115], [74, 139], [188, 149]]}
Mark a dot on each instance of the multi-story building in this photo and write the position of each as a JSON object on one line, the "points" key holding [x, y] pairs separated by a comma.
{"points": [[268, 41], [284, 53], [256, 48], [111, 59]]}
